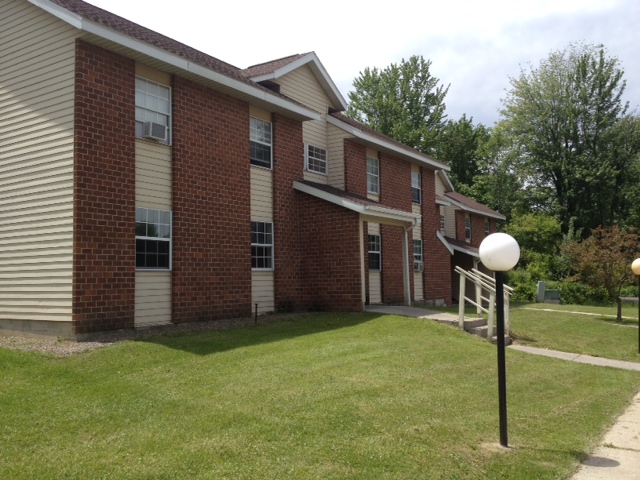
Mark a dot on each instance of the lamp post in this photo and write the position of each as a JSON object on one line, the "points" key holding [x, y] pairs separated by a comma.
{"points": [[500, 252], [635, 267]]}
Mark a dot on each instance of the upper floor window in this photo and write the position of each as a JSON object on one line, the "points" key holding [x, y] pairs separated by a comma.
{"points": [[442, 224], [153, 110], [487, 227], [153, 238], [262, 245], [373, 175], [261, 141], [416, 190], [375, 253], [467, 228], [316, 159]]}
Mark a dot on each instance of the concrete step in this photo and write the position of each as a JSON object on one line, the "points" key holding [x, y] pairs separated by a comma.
{"points": [[471, 323], [482, 332]]}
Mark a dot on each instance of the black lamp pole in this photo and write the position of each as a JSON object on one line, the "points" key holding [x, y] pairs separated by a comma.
{"points": [[502, 371]]}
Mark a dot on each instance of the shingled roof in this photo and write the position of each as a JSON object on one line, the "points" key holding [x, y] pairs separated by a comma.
{"points": [[271, 66], [472, 206]]}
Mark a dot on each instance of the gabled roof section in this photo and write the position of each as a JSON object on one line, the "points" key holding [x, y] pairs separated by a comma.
{"points": [[463, 247], [371, 137], [444, 178], [142, 44], [370, 210], [271, 71], [471, 206]]}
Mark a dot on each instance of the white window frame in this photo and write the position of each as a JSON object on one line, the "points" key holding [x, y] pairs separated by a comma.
{"points": [[152, 107], [315, 159], [487, 227], [257, 136], [375, 241], [162, 222], [373, 175], [443, 223], [265, 245], [467, 229], [416, 188], [417, 257]]}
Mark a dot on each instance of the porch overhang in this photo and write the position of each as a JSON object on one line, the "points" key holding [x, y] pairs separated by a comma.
{"points": [[460, 246], [369, 211]]}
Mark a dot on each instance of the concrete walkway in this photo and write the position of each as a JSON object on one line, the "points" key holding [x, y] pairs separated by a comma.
{"points": [[618, 455]]}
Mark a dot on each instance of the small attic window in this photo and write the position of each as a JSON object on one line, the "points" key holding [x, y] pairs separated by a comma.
{"points": [[273, 86]]}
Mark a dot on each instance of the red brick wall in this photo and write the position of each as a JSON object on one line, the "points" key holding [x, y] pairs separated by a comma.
{"points": [[477, 230], [211, 205], [104, 191], [392, 264], [395, 183], [437, 259], [288, 155], [355, 173], [330, 257], [460, 226]]}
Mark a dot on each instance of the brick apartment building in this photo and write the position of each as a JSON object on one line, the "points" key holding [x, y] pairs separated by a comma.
{"points": [[143, 182]]}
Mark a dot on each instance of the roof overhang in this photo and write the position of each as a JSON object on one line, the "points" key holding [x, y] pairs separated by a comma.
{"points": [[314, 63], [369, 213], [156, 57], [466, 208], [457, 247], [413, 156], [446, 244]]}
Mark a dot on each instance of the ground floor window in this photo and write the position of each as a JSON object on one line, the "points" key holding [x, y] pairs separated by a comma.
{"points": [[375, 253], [262, 246], [153, 238]]}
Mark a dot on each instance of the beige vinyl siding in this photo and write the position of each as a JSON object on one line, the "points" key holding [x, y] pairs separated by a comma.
{"points": [[153, 298], [450, 222], [335, 155], [439, 186], [36, 164], [153, 175], [418, 294], [261, 194], [302, 86], [262, 283], [262, 291]]}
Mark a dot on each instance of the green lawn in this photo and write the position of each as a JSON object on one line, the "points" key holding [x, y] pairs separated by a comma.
{"points": [[344, 396], [598, 334]]}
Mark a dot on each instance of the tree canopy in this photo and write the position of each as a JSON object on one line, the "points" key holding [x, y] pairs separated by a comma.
{"points": [[402, 101], [564, 120]]}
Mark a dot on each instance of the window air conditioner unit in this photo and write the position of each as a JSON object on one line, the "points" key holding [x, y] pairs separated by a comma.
{"points": [[154, 131], [418, 266]]}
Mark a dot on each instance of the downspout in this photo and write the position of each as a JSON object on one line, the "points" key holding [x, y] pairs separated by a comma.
{"points": [[407, 266]]}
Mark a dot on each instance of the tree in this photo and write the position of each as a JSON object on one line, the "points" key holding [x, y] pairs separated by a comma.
{"points": [[459, 145], [604, 260], [562, 119], [402, 101]]}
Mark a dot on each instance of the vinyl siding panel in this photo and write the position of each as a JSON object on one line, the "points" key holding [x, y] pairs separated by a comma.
{"points": [[261, 194], [153, 298], [153, 175], [335, 154], [450, 222], [262, 291], [36, 164], [302, 86], [417, 287]]}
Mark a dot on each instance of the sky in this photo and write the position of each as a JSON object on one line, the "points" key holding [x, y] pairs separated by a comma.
{"points": [[474, 47]]}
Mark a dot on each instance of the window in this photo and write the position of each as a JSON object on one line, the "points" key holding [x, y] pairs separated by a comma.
{"points": [[153, 238], [487, 227], [316, 159], [375, 259], [417, 250], [416, 190], [261, 246], [153, 104], [373, 175], [442, 224], [467, 228], [260, 138]]}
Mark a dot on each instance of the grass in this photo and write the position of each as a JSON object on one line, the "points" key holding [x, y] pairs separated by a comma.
{"points": [[345, 396], [598, 334]]}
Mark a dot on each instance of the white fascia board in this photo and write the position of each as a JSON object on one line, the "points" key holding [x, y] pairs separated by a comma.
{"points": [[444, 242], [417, 156], [498, 216], [442, 202], [396, 215], [303, 187], [316, 65], [448, 185], [171, 59]]}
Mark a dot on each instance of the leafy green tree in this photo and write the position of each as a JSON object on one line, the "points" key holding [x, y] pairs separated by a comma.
{"points": [[402, 101], [604, 260], [540, 237], [459, 145], [562, 118]]}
